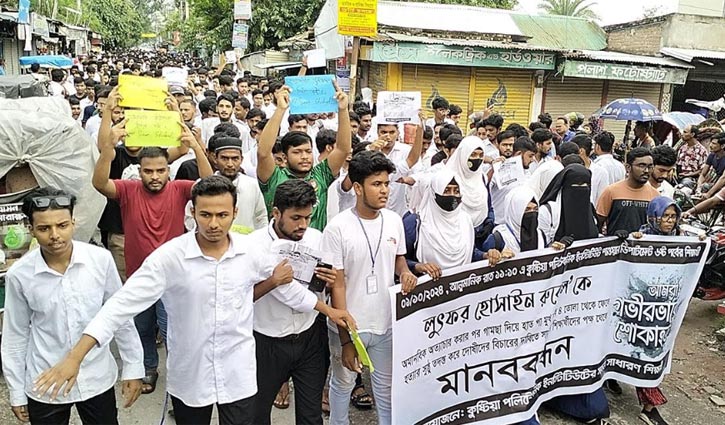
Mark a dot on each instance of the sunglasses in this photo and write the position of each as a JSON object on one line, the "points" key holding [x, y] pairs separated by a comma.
{"points": [[55, 201]]}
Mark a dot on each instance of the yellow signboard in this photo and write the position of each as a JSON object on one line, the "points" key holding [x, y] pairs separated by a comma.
{"points": [[142, 92], [148, 35], [152, 128], [357, 17]]}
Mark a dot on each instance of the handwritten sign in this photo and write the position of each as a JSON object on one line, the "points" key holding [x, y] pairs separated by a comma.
{"points": [[242, 9], [152, 128], [311, 94], [357, 18], [175, 76], [315, 58], [399, 106], [142, 92]]}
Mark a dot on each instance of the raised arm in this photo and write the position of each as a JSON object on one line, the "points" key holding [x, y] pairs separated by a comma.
{"points": [[417, 148], [189, 140], [343, 145], [265, 159], [108, 138]]}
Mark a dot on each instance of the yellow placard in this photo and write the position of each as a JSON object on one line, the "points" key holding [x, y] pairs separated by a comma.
{"points": [[362, 353], [142, 92], [153, 128], [148, 35], [357, 17]]}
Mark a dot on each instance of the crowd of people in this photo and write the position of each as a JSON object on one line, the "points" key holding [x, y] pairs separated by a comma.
{"points": [[189, 235]]}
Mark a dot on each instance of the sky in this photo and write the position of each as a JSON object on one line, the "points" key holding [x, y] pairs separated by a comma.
{"points": [[613, 11]]}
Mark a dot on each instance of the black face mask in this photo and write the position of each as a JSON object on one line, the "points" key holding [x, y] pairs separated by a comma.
{"points": [[447, 202], [529, 227], [474, 164]]}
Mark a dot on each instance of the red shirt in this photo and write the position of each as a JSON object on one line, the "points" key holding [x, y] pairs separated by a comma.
{"points": [[150, 219]]}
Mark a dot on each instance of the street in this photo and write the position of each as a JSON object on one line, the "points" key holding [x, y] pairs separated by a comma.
{"points": [[697, 375]]}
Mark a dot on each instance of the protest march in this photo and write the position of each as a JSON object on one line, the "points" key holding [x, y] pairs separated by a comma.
{"points": [[367, 212]]}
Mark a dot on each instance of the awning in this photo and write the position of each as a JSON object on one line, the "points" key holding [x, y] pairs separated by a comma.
{"points": [[688, 55], [279, 65], [607, 56], [8, 17]]}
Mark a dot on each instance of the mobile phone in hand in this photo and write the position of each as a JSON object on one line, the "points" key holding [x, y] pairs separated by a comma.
{"points": [[317, 284]]}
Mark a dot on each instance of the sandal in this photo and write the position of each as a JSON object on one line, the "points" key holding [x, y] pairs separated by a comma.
{"points": [[149, 381], [361, 399], [282, 399]]}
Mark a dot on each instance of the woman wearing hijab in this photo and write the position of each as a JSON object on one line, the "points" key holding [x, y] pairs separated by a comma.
{"points": [[440, 235], [566, 212], [566, 209], [520, 229], [663, 219], [466, 164]]}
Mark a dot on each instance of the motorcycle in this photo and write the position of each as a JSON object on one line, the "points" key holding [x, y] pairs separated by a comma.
{"points": [[711, 285]]}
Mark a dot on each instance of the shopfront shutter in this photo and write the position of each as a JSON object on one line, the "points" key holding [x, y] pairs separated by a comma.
{"points": [[572, 94], [450, 82], [377, 77], [508, 90], [622, 89]]}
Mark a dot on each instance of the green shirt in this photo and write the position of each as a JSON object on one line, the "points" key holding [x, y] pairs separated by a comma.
{"points": [[320, 177]]}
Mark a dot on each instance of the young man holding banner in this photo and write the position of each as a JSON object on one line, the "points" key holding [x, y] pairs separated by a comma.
{"points": [[297, 147]]}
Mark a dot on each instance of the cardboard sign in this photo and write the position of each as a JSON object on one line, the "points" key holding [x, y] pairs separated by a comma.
{"points": [[357, 18], [398, 106], [312, 94], [315, 58], [153, 128], [142, 92], [175, 76]]}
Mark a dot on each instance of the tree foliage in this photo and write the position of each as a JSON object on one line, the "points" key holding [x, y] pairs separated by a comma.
{"points": [[210, 22], [120, 22], [576, 8]]}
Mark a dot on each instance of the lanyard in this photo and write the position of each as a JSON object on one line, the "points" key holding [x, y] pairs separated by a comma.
{"points": [[367, 239]]}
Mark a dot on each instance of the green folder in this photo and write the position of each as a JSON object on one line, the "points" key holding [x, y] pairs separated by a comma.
{"points": [[362, 353]]}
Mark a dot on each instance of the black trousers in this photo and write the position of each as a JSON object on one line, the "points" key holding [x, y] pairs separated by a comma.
{"points": [[304, 358], [235, 413], [100, 410]]}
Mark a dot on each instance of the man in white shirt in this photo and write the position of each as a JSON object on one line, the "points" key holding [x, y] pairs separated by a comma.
{"points": [[55, 87], [545, 173], [367, 243], [225, 112], [507, 175], [664, 159], [52, 293], [403, 157], [603, 144], [441, 107], [599, 174], [544, 140], [290, 341], [226, 155], [206, 281]]}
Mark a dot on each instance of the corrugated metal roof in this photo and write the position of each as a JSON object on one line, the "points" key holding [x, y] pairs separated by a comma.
{"points": [[689, 54], [459, 42], [447, 17], [561, 32], [8, 17], [607, 56]]}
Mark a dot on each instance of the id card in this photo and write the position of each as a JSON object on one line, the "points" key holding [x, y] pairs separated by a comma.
{"points": [[372, 282]]}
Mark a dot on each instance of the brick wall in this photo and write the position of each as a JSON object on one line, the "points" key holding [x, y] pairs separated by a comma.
{"points": [[643, 40]]}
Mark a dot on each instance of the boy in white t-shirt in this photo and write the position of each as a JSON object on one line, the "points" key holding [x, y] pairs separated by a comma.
{"points": [[368, 247]]}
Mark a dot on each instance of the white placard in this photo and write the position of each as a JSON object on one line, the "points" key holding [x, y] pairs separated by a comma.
{"points": [[315, 58], [231, 56], [399, 106], [302, 258], [509, 172], [489, 345], [175, 76]]}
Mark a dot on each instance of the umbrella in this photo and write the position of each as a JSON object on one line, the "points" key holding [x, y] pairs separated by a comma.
{"points": [[630, 109], [681, 120]]}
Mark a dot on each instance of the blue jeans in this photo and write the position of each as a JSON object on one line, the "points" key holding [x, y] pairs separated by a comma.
{"points": [[147, 323], [342, 380]]}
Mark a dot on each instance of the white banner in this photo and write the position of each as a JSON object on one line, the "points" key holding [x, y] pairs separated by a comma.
{"points": [[488, 345], [398, 106]]}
